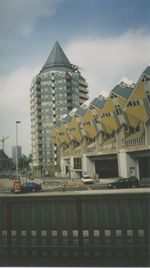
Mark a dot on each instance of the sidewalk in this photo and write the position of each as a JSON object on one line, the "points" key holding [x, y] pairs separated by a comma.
{"points": [[76, 181], [6, 183]]}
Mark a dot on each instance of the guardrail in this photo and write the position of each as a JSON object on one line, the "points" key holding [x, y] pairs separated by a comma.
{"points": [[98, 226]]}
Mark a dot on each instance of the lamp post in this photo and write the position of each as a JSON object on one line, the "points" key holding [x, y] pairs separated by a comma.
{"points": [[17, 122]]}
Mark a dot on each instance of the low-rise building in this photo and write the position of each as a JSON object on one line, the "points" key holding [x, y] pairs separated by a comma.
{"points": [[5, 162], [108, 137]]}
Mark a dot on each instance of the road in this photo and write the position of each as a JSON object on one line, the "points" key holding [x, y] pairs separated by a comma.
{"points": [[54, 185], [72, 187]]}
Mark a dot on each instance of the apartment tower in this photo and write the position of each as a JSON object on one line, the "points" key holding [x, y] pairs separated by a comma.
{"points": [[56, 90]]}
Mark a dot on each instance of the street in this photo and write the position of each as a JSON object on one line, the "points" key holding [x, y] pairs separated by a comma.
{"points": [[56, 186]]}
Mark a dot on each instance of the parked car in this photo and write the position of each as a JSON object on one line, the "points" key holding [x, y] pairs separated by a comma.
{"points": [[124, 183], [30, 187], [86, 179]]}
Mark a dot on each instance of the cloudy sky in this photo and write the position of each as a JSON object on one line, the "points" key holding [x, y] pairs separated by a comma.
{"points": [[108, 39]]}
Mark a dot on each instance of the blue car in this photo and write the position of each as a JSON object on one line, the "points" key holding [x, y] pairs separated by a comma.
{"points": [[30, 187]]}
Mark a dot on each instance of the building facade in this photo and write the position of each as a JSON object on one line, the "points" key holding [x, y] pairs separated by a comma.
{"points": [[108, 137], [55, 91], [18, 150], [5, 162]]}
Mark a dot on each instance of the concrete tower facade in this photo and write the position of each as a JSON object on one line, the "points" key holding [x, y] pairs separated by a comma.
{"points": [[17, 149], [55, 91]]}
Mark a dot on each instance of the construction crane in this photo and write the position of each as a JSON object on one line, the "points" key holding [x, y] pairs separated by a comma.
{"points": [[3, 142]]}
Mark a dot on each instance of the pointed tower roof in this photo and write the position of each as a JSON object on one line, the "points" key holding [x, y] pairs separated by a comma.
{"points": [[57, 59]]}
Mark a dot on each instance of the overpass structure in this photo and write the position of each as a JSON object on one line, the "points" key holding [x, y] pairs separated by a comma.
{"points": [[100, 228]]}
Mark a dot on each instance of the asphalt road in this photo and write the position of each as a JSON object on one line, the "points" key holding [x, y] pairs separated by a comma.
{"points": [[55, 186], [75, 187]]}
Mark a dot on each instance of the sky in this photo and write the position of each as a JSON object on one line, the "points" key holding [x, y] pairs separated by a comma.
{"points": [[107, 39]]}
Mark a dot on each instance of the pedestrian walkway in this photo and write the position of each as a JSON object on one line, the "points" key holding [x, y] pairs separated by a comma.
{"points": [[5, 184]]}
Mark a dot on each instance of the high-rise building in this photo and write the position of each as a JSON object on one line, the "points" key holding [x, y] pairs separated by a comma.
{"points": [[18, 150], [55, 91]]}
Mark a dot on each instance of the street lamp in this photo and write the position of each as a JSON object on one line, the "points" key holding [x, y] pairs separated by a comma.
{"points": [[17, 122]]}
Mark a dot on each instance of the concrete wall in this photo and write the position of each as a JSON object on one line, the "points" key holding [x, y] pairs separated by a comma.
{"points": [[104, 225]]}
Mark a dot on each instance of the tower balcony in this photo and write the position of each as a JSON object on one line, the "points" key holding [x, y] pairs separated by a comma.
{"points": [[83, 96], [83, 83]]}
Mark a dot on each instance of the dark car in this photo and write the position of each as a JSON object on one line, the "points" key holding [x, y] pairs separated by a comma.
{"points": [[124, 183], [30, 187]]}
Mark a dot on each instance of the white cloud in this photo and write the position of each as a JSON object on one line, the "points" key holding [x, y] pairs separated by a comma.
{"points": [[14, 89], [21, 15], [107, 60], [15, 105]]}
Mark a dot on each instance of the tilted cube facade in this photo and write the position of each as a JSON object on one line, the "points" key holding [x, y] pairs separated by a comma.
{"points": [[109, 137]]}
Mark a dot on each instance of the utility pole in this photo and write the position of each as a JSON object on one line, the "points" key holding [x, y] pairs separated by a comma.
{"points": [[17, 122], [17, 181]]}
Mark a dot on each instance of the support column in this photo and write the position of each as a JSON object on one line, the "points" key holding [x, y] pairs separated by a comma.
{"points": [[88, 166], [128, 166], [122, 164], [147, 131]]}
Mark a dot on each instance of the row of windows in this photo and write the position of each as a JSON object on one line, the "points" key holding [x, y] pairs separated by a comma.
{"points": [[88, 139], [118, 109], [72, 129], [96, 118], [113, 96], [133, 103], [62, 133], [52, 75], [88, 123], [106, 115], [92, 107]]}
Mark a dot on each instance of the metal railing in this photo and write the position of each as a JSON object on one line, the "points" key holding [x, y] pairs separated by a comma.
{"points": [[135, 142]]}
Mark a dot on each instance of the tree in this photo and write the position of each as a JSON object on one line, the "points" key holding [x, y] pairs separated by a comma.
{"points": [[23, 162]]}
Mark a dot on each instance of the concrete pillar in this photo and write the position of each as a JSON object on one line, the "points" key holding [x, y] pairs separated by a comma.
{"points": [[72, 173], [147, 131], [99, 140], [62, 167], [122, 164], [120, 136], [128, 166], [88, 166]]}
